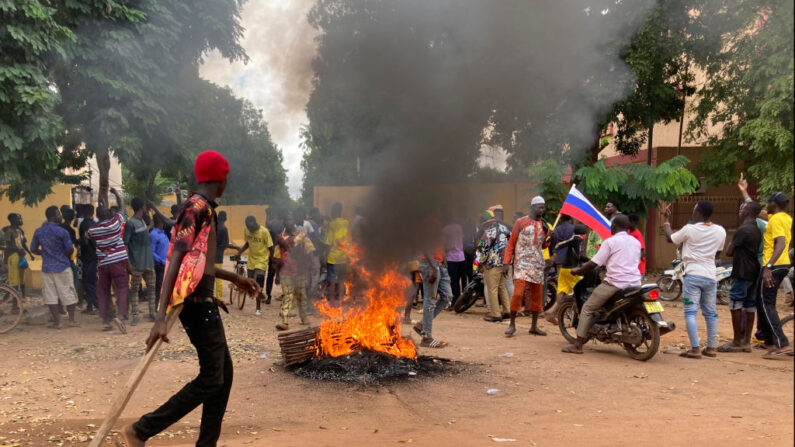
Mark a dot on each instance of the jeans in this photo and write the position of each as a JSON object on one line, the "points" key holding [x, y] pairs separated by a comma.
{"points": [[116, 274], [769, 322], [432, 305], [743, 295], [89, 282], [210, 388], [700, 292], [456, 272]]}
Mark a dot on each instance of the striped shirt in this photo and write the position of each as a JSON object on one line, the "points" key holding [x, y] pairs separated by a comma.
{"points": [[108, 237]]}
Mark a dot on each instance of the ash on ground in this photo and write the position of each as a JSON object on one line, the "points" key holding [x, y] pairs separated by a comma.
{"points": [[370, 367]]}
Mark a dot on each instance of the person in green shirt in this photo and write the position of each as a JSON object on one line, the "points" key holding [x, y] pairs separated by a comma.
{"points": [[338, 240], [139, 254], [594, 241]]}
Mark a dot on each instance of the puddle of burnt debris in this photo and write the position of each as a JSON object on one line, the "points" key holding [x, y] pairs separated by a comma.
{"points": [[371, 368]]}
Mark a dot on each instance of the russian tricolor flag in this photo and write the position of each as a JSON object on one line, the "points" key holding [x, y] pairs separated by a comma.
{"points": [[578, 207]]}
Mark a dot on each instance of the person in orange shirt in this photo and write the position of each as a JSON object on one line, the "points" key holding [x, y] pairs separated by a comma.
{"points": [[526, 251]]}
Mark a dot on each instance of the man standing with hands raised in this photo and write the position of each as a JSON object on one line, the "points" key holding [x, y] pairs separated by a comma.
{"points": [[190, 279]]}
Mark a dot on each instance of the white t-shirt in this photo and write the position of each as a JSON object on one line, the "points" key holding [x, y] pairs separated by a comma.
{"points": [[701, 243]]}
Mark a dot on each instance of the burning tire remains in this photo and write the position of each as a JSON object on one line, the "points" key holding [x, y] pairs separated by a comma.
{"points": [[361, 344]]}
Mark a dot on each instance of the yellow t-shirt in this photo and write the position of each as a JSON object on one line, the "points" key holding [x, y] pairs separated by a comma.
{"points": [[778, 225], [337, 239], [258, 244]]}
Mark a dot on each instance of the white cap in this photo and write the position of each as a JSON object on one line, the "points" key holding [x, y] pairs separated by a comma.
{"points": [[537, 200]]}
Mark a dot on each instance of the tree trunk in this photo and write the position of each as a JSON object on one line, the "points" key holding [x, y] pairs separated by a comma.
{"points": [[103, 166], [150, 187], [649, 145]]}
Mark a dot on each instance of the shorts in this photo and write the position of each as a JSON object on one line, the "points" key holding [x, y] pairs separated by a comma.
{"points": [[566, 281], [58, 286], [258, 275], [743, 295], [336, 273]]}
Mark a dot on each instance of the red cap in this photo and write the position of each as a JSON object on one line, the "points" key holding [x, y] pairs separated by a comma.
{"points": [[211, 167]]}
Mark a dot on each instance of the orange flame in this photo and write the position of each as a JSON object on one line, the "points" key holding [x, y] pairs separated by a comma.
{"points": [[377, 325]]}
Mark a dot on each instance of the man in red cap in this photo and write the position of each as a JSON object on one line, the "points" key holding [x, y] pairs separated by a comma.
{"points": [[190, 280]]}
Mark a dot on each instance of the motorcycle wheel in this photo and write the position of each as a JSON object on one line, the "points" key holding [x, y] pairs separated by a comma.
{"points": [[567, 321], [465, 301], [651, 336], [670, 289], [724, 287], [550, 294]]}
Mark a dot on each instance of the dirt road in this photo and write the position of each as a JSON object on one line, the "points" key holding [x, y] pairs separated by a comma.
{"points": [[55, 387]]}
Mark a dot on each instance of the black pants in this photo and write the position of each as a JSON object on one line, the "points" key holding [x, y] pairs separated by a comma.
{"points": [[210, 388], [160, 270], [769, 322], [270, 278], [89, 282], [457, 274]]}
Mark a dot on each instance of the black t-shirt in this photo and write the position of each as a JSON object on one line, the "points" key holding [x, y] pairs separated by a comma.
{"points": [[222, 242], [88, 249], [745, 262]]}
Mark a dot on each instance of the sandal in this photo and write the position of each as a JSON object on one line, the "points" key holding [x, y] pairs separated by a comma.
{"points": [[120, 325], [690, 355], [571, 350], [537, 331], [433, 343], [777, 354], [730, 347]]}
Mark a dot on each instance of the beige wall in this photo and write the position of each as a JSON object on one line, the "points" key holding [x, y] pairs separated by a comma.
{"points": [[33, 218]]}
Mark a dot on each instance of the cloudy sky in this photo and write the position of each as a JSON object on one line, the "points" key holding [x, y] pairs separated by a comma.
{"points": [[278, 78]]}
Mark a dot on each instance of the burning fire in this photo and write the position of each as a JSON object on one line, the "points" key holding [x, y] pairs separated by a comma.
{"points": [[377, 325]]}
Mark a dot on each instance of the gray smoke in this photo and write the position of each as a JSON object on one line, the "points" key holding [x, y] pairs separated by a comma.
{"points": [[414, 88]]}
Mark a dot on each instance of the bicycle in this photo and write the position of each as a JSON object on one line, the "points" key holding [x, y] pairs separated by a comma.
{"points": [[11, 308], [237, 296], [788, 326]]}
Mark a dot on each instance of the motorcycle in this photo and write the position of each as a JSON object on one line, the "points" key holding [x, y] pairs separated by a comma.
{"points": [[632, 317], [670, 283], [476, 289]]}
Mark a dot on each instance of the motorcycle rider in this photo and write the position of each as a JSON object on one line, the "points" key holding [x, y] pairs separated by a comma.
{"points": [[620, 254]]}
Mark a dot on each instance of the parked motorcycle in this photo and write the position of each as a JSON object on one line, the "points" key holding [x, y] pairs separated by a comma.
{"points": [[631, 318], [473, 291], [670, 283]]}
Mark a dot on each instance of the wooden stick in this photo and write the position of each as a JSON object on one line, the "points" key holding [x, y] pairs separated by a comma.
{"points": [[556, 223], [132, 383]]}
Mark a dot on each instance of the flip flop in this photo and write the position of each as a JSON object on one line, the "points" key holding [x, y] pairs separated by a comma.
{"points": [[729, 347], [570, 350], [776, 354], [120, 325]]}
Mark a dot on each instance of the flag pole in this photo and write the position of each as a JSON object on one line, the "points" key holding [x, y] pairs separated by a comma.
{"points": [[557, 219]]}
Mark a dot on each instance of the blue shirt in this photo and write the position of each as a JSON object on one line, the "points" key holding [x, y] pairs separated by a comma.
{"points": [[54, 242], [159, 241]]}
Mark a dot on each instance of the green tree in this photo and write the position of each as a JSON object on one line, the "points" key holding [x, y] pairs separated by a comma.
{"points": [[30, 128], [636, 187], [749, 96]]}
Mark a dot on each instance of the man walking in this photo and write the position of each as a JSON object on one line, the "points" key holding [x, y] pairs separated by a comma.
{"points": [[526, 250], [139, 249], [776, 265], [702, 242], [620, 255], [190, 279], [260, 246], [296, 251], [55, 247], [338, 240], [454, 255], [493, 242], [113, 265], [745, 272], [559, 245]]}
